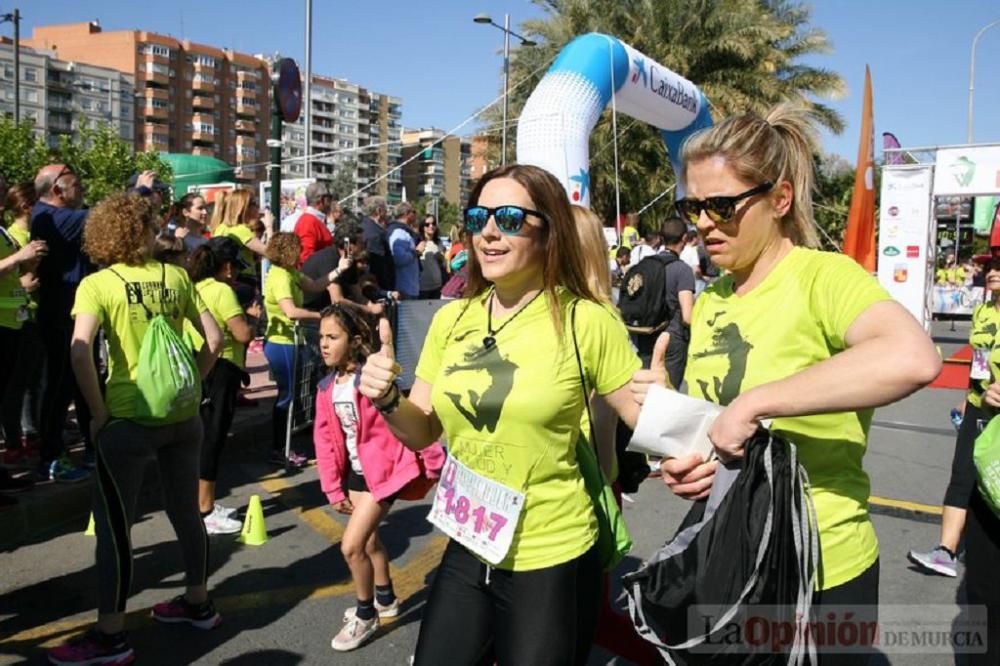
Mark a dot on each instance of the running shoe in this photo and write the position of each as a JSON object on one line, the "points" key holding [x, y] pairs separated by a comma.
{"points": [[354, 633], [938, 561], [392, 610], [295, 459], [956, 418], [64, 471], [219, 522], [93, 648], [203, 616], [225, 510]]}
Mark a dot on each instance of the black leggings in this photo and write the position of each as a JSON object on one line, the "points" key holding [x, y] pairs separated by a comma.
{"points": [[858, 596], [982, 583], [480, 615], [217, 409], [963, 471]]}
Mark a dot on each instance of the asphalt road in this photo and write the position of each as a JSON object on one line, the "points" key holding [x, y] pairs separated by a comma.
{"points": [[283, 601]]}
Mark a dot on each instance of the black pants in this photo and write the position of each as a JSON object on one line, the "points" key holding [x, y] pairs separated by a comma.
{"points": [[963, 470], [430, 294], [546, 616], [859, 597], [217, 409], [11, 419], [60, 388], [982, 580]]}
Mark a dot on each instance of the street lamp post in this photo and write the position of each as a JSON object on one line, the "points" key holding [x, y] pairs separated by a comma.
{"points": [[507, 32], [972, 74], [15, 18]]}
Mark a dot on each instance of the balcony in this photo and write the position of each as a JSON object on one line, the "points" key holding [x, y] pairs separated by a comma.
{"points": [[246, 126], [203, 150], [154, 112], [247, 75], [203, 85], [156, 93], [156, 145], [246, 141], [202, 137], [245, 110], [246, 92], [202, 102], [154, 58], [154, 77]]}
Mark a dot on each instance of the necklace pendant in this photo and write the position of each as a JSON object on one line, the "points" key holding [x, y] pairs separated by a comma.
{"points": [[489, 342]]}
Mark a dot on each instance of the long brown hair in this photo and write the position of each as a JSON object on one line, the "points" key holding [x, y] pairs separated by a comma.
{"points": [[564, 262]]}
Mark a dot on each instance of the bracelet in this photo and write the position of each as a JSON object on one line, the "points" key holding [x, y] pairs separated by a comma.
{"points": [[393, 404]]}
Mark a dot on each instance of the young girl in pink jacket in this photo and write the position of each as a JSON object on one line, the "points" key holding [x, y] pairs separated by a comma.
{"points": [[363, 469]]}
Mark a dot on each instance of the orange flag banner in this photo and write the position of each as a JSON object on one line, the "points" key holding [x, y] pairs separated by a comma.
{"points": [[859, 238]]}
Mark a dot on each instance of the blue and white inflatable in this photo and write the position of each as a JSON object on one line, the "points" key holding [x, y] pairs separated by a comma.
{"points": [[554, 129]]}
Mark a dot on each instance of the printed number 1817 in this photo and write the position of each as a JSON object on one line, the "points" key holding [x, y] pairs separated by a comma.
{"points": [[460, 508]]}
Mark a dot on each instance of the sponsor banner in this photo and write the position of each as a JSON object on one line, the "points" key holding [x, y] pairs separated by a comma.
{"points": [[952, 300], [904, 262], [968, 171]]}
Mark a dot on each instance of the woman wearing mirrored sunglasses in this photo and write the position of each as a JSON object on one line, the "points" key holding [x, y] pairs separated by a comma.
{"points": [[499, 377], [804, 337]]}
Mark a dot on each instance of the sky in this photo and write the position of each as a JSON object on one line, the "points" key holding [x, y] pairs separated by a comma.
{"points": [[445, 67]]}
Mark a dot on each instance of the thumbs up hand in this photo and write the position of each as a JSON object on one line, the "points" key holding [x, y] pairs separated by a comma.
{"points": [[380, 371], [657, 373]]}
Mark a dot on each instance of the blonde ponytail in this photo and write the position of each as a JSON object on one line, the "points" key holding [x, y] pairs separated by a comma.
{"points": [[776, 148]]}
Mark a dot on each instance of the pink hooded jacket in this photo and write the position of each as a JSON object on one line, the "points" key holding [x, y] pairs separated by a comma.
{"points": [[387, 464]]}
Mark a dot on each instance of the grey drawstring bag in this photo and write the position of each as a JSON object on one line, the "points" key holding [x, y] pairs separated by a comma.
{"points": [[750, 551]]}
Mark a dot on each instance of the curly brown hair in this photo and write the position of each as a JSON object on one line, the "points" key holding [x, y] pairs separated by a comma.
{"points": [[283, 250], [118, 230]]}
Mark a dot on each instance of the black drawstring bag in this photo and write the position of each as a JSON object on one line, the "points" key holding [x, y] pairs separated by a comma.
{"points": [[750, 550]]}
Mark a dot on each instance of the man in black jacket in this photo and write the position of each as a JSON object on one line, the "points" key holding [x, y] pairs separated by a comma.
{"points": [[380, 261]]}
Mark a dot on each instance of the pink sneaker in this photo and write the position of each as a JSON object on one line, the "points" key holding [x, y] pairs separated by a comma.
{"points": [[93, 648], [203, 616]]}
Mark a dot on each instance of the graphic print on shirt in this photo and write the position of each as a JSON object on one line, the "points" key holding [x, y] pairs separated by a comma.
{"points": [[347, 414], [726, 341], [149, 294], [983, 336], [484, 409]]}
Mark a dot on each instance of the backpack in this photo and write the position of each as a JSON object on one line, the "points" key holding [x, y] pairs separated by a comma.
{"points": [[168, 385], [643, 296], [751, 551], [986, 456]]}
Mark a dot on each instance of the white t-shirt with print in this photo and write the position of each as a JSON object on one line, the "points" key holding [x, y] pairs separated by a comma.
{"points": [[345, 409]]}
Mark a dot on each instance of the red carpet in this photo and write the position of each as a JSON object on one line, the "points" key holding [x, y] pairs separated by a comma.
{"points": [[955, 371]]}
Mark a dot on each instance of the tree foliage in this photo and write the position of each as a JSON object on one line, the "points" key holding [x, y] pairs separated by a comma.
{"points": [[103, 160], [746, 55]]}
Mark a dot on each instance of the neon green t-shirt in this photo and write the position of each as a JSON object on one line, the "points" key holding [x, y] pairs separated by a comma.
{"points": [[242, 234], [23, 237], [12, 295], [119, 311], [630, 237], [513, 413], [281, 284], [221, 301], [985, 334], [797, 317]]}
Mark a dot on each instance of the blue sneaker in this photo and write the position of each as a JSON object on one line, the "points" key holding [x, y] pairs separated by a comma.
{"points": [[956, 418], [64, 471]]}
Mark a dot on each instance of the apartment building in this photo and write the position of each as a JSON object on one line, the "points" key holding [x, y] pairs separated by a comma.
{"points": [[441, 168], [351, 126], [190, 98], [61, 97]]}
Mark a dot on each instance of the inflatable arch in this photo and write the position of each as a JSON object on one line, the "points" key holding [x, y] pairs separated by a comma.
{"points": [[554, 129]]}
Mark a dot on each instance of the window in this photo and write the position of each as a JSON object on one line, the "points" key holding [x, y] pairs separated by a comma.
{"points": [[207, 61], [204, 128], [155, 68], [247, 101], [246, 85], [155, 49], [86, 104], [187, 93], [8, 71], [30, 74]]}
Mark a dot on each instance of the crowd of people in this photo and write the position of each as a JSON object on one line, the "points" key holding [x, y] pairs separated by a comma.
{"points": [[729, 299]]}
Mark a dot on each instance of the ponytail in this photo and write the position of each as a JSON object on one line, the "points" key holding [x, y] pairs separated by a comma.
{"points": [[776, 148]]}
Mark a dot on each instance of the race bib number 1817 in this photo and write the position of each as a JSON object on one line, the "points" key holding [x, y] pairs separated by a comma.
{"points": [[477, 512]]}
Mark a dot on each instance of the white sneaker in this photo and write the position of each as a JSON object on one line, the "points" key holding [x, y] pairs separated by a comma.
{"points": [[392, 610], [218, 522], [224, 510], [354, 633]]}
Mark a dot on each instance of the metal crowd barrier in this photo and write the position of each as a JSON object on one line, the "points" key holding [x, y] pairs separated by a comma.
{"points": [[410, 321]]}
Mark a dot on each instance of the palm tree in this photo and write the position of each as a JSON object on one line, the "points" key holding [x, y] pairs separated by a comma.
{"points": [[744, 54]]}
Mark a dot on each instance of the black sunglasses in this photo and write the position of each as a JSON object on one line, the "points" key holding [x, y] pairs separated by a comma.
{"points": [[509, 219], [718, 209]]}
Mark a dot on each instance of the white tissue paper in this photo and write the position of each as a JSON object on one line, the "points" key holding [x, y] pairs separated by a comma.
{"points": [[674, 425]]}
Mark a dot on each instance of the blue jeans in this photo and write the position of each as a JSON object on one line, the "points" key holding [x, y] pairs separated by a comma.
{"points": [[281, 357]]}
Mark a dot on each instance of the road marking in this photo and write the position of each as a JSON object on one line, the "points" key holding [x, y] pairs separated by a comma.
{"points": [[904, 505], [315, 517], [913, 427], [407, 581]]}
